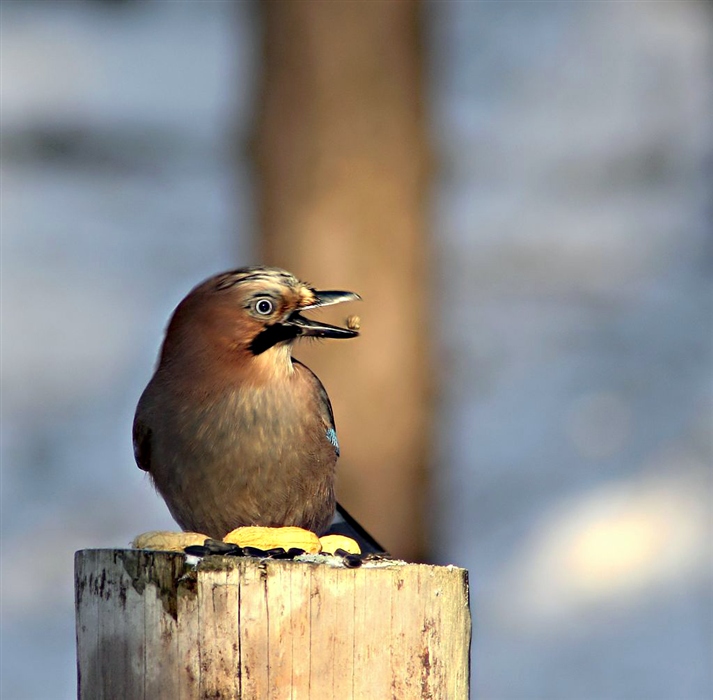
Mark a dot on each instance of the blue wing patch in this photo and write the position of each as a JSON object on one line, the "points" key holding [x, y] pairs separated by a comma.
{"points": [[332, 437]]}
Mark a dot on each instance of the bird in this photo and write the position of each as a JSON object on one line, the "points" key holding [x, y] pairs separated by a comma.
{"points": [[232, 429]]}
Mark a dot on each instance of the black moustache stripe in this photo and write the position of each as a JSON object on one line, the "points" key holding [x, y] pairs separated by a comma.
{"points": [[271, 336]]}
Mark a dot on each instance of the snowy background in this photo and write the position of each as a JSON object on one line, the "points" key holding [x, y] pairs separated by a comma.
{"points": [[573, 234]]}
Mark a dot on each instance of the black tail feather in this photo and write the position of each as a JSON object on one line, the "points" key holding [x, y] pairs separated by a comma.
{"points": [[345, 524]]}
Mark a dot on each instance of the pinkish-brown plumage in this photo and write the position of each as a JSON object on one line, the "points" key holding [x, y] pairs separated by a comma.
{"points": [[232, 430]]}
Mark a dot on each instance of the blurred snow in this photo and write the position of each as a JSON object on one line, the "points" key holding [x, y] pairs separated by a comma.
{"points": [[119, 193], [573, 232], [573, 238]]}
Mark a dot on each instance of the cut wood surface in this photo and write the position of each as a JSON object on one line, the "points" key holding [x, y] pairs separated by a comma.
{"points": [[151, 625]]}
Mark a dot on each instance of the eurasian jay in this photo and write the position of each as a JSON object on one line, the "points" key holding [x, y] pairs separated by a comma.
{"points": [[232, 429]]}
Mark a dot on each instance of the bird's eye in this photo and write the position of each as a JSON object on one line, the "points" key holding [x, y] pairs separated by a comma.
{"points": [[264, 307]]}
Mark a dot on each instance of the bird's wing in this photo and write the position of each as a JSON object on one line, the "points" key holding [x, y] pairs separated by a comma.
{"points": [[325, 405], [342, 523], [142, 444]]}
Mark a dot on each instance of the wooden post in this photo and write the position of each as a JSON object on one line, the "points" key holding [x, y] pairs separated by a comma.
{"points": [[152, 626], [342, 173]]}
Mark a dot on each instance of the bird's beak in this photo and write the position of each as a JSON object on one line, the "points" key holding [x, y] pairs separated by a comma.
{"points": [[319, 329]]}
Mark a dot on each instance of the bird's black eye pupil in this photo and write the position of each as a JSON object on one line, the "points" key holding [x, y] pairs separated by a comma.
{"points": [[264, 307]]}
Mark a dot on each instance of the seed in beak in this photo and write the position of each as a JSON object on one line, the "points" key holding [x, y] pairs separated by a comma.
{"points": [[353, 323]]}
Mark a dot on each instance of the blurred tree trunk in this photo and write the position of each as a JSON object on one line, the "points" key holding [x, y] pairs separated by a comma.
{"points": [[342, 166]]}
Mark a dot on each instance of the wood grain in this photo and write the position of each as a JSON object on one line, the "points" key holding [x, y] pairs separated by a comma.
{"points": [[151, 626]]}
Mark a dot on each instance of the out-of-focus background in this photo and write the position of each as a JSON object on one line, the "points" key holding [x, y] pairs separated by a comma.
{"points": [[566, 305]]}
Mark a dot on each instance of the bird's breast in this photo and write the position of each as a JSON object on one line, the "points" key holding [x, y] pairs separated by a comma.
{"points": [[246, 455]]}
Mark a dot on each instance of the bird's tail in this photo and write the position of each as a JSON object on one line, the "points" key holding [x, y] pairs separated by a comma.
{"points": [[345, 524]]}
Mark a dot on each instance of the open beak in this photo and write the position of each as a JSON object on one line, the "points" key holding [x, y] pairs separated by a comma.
{"points": [[319, 329]]}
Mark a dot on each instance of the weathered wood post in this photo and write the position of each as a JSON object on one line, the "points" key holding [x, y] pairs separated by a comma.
{"points": [[151, 625]]}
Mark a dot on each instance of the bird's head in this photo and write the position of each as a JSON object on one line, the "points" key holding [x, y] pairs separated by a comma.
{"points": [[247, 312]]}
